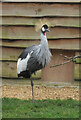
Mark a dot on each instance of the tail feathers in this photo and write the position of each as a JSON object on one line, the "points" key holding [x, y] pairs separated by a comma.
{"points": [[25, 74]]}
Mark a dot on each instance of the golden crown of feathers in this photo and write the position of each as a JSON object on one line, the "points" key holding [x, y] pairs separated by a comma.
{"points": [[40, 23]]}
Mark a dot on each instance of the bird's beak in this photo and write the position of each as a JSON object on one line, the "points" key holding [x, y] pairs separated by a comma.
{"points": [[47, 30]]}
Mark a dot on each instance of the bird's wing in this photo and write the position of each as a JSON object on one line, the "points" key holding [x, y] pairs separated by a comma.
{"points": [[24, 54], [24, 58], [28, 60], [33, 63]]}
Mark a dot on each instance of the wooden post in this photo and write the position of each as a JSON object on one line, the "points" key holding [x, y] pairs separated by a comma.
{"points": [[77, 67]]}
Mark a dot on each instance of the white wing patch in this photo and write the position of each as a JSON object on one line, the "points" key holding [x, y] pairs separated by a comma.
{"points": [[22, 64]]}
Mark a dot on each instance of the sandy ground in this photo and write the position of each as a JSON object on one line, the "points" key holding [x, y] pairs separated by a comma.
{"points": [[21, 89], [40, 92]]}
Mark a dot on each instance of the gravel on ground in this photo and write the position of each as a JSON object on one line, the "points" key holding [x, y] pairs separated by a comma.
{"points": [[40, 92]]}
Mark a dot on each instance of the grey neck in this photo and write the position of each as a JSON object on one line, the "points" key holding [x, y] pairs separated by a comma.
{"points": [[45, 52], [44, 42]]}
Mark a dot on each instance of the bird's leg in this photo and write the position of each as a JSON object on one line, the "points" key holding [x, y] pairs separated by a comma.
{"points": [[32, 90]]}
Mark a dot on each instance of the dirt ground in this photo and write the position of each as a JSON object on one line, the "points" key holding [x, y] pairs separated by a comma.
{"points": [[40, 92], [21, 89]]}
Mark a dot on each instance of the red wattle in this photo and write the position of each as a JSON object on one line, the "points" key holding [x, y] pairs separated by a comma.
{"points": [[43, 33]]}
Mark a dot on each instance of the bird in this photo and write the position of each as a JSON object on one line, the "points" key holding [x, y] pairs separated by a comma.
{"points": [[34, 58]]}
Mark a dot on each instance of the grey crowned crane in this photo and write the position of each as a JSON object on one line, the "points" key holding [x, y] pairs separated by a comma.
{"points": [[34, 58]]}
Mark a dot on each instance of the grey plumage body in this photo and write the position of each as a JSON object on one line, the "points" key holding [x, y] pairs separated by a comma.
{"points": [[38, 58]]}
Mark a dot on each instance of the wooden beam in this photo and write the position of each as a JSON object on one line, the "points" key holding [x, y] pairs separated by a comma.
{"points": [[11, 50], [54, 1], [10, 53], [27, 32], [19, 43], [39, 9], [77, 67], [9, 69], [70, 44], [65, 44], [77, 72], [54, 21]]}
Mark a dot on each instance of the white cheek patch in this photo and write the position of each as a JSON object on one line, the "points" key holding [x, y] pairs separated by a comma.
{"points": [[43, 29], [22, 64]]}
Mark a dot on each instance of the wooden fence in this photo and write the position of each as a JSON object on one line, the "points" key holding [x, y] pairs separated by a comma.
{"points": [[18, 29]]}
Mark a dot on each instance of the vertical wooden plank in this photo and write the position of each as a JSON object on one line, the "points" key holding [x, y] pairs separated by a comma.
{"points": [[77, 67]]}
